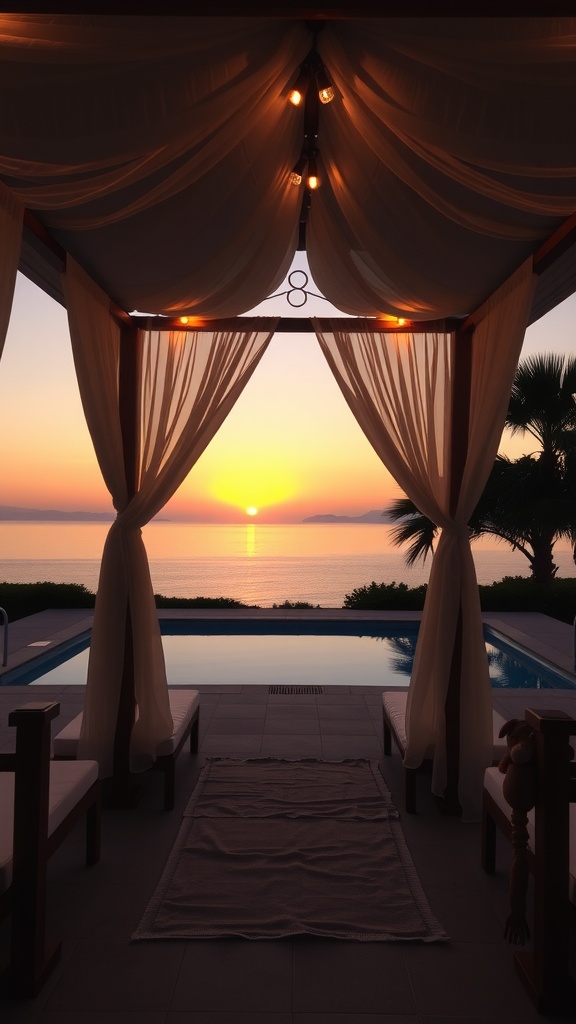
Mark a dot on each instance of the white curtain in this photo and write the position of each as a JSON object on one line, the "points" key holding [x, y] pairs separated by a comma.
{"points": [[399, 387], [187, 385], [11, 215]]}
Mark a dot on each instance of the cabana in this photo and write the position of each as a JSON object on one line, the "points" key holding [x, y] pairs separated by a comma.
{"points": [[155, 164]]}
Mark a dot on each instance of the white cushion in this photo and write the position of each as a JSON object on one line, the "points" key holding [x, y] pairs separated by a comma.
{"points": [[395, 701], [183, 704], [493, 783], [69, 781]]}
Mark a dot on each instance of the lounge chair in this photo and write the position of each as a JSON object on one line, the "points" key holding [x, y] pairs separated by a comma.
{"points": [[394, 720], [40, 802], [185, 710]]}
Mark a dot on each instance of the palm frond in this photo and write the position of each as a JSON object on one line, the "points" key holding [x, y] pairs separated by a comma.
{"points": [[414, 529]]}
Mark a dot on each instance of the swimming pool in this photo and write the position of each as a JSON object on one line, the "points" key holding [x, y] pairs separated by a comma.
{"points": [[288, 652]]}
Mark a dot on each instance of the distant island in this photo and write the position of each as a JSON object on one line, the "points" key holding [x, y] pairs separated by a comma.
{"points": [[375, 516], [51, 515], [14, 513]]}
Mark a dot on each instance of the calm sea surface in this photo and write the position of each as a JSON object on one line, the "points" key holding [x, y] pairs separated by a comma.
{"points": [[253, 563]]}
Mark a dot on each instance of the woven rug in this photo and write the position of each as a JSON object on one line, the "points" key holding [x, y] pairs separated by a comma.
{"points": [[270, 848]]}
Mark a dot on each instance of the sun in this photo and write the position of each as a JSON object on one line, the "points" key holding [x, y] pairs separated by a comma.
{"points": [[251, 511]]}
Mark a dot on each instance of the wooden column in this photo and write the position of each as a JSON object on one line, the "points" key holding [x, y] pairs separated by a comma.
{"points": [[129, 407], [31, 956], [460, 398], [545, 971]]}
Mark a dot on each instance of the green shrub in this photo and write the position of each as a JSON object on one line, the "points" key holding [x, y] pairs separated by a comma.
{"points": [[523, 594], [198, 602], [295, 604], [387, 597], [20, 599], [512, 594]]}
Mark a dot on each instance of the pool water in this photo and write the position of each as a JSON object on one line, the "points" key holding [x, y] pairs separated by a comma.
{"points": [[297, 652]]}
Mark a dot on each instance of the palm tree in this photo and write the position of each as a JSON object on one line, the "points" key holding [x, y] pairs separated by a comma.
{"points": [[529, 502], [542, 403]]}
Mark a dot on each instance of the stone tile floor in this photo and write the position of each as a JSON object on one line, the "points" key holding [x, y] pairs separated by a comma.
{"points": [[103, 978]]}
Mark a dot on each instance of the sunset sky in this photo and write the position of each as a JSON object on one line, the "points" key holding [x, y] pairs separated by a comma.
{"points": [[289, 449]]}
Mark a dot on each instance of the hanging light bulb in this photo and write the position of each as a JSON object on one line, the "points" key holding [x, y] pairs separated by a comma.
{"points": [[297, 171], [296, 97], [326, 95], [298, 90], [324, 85], [312, 179]]}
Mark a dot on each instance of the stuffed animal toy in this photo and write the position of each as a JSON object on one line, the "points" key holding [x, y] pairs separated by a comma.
{"points": [[519, 788], [519, 765]]}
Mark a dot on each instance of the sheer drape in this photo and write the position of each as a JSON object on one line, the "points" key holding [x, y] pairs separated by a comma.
{"points": [[175, 128], [188, 384], [450, 140], [451, 136], [399, 387], [11, 214]]}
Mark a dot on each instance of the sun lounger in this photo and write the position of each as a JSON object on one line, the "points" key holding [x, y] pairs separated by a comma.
{"points": [[185, 710], [394, 720], [40, 802], [550, 855]]}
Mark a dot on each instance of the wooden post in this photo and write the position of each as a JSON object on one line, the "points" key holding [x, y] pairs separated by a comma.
{"points": [[460, 399], [31, 957], [546, 970], [129, 408]]}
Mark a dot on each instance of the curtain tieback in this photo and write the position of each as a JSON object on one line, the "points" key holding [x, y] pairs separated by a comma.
{"points": [[460, 532]]}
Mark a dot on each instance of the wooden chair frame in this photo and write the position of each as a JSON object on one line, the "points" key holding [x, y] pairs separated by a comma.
{"points": [[545, 971], [166, 763], [32, 956]]}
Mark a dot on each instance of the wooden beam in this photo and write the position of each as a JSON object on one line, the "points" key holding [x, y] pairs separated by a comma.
{"points": [[295, 324], [49, 252], [459, 431], [129, 409], [332, 11], [53, 254], [551, 250], [53, 251], [559, 242]]}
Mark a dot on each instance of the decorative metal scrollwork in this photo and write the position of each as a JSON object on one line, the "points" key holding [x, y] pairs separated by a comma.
{"points": [[297, 293]]}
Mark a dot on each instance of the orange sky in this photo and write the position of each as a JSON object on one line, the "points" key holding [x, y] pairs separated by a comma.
{"points": [[290, 447]]}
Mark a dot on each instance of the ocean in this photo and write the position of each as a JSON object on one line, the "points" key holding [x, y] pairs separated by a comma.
{"points": [[253, 563]]}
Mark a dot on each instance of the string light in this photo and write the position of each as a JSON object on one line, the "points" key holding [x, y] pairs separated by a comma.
{"points": [[312, 69], [313, 86], [298, 91], [324, 85], [312, 180], [297, 171]]}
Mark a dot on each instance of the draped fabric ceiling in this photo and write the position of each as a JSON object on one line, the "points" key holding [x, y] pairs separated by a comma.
{"points": [[157, 152]]}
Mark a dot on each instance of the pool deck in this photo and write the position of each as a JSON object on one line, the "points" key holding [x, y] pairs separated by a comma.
{"points": [[103, 978]]}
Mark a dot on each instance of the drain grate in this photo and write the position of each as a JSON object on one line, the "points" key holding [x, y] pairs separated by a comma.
{"points": [[295, 689]]}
